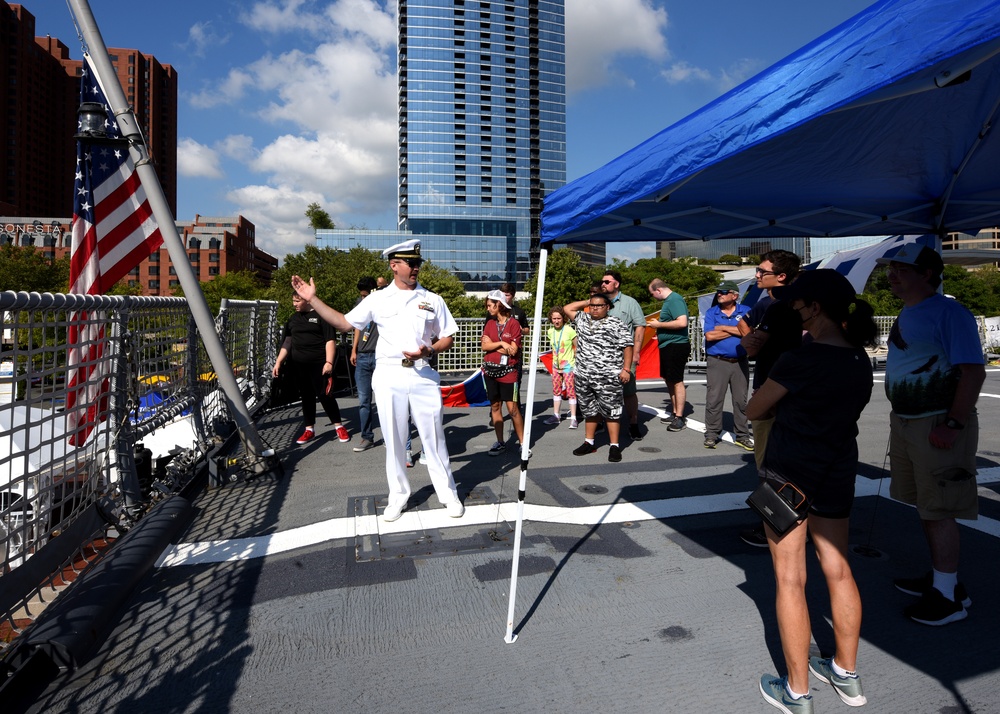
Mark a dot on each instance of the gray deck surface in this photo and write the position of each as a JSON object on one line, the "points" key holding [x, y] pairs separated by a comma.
{"points": [[670, 614]]}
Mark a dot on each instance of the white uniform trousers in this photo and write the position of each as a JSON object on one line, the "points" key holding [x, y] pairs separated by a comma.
{"points": [[402, 393]]}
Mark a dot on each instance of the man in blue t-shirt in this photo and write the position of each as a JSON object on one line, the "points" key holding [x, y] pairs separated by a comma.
{"points": [[727, 368], [934, 372]]}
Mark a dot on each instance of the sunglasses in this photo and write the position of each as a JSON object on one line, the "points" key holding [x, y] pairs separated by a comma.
{"points": [[761, 271], [413, 262], [607, 282]]}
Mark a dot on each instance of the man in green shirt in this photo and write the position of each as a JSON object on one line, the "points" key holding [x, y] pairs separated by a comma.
{"points": [[675, 348]]}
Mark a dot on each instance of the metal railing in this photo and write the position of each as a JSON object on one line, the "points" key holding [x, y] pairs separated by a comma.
{"points": [[154, 371], [158, 375]]}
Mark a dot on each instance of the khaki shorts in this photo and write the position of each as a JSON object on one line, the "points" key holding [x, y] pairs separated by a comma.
{"points": [[941, 483]]}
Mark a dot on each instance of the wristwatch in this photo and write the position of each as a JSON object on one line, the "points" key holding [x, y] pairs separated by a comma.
{"points": [[953, 423]]}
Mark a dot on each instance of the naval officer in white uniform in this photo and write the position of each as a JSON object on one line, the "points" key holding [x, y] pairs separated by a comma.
{"points": [[414, 324]]}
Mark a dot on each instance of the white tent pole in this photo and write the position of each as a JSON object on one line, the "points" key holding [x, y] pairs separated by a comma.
{"points": [[536, 339]]}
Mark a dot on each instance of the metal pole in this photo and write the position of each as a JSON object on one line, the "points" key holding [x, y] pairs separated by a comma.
{"points": [[536, 338], [175, 247]]}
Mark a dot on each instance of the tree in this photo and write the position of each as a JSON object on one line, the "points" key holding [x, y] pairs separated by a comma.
{"points": [[730, 259], [26, 268], [318, 218], [566, 280], [681, 276], [336, 274], [977, 289], [126, 287], [238, 285]]}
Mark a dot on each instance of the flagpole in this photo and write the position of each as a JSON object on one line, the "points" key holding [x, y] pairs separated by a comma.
{"points": [[263, 459]]}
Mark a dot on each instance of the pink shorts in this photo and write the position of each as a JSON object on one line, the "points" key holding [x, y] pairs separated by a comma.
{"points": [[563, 383]]}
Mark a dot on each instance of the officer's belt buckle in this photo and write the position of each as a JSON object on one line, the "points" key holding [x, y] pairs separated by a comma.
{"points": [[407, 362]]}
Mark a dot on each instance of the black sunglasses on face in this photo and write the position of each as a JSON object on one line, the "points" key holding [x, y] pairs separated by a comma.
{"points": [[607, 282], [414, 262]]}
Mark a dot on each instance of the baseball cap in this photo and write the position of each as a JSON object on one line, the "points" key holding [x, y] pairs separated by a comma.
{"points": [[918, 255], [499, 297], [728, 286]]}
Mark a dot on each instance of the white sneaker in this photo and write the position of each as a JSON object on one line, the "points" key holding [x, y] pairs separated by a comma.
{"points": [[573, 424], [423, 458], [455, 509], [392, 513]]}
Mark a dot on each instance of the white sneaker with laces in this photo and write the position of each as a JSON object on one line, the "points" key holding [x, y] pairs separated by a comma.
{"points": [[455, 509]]}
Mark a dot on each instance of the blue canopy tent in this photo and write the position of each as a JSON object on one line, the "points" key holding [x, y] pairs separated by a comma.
{"points": [[881, 126]]}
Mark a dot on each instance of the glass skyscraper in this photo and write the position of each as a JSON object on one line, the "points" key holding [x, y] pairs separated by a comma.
{"points": [[482, 130], [482, 136]]}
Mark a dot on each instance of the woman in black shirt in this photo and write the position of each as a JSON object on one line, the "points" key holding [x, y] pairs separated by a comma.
{"points": [[816, 394]]}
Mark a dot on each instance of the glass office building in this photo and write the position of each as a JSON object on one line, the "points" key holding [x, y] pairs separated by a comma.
{"points": [[482, 131]]}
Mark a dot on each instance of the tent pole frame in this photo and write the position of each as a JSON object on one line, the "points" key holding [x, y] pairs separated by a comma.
{"points": [[536, 339]]}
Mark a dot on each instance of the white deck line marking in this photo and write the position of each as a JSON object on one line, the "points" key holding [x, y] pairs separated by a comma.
{"points": [[240, 549]]}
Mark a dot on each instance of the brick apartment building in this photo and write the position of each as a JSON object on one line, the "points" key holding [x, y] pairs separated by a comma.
{"points": [[215, 246], [39, 98]]}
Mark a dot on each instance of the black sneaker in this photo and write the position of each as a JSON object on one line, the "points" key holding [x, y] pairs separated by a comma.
{"points": [[710, 442], [614, 454], [678, 424], [584, 449], [919, 586], [669, 419], [754, 536], [635, 431], [935, 609]]}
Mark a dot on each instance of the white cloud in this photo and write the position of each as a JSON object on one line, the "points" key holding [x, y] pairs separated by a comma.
{"points": [[197, 160], [333, 107], [365, 18], [630, 252], [278, 213], [683, 72], [283, 16], [230, 90], [347, 80], [237, 146], [201, 37], [739, 72], [599, 33]]}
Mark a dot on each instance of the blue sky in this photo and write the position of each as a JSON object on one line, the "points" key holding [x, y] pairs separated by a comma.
{"points": [[286, 102]]}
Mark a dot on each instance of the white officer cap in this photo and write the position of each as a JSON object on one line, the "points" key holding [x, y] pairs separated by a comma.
{"points": [[499, 297], [406, 249]]}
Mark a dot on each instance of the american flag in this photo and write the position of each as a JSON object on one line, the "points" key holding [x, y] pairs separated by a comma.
{"points": [[113, 231]]}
